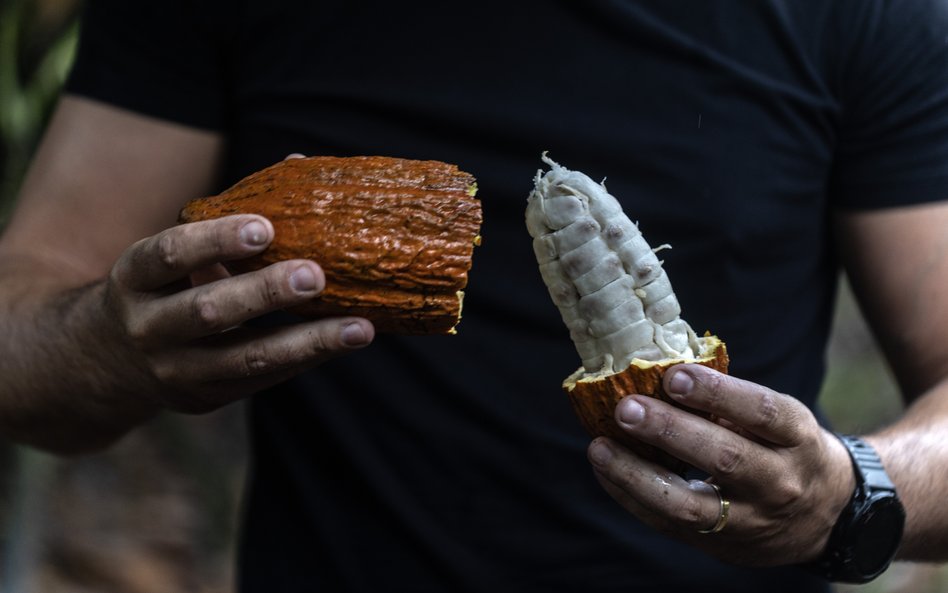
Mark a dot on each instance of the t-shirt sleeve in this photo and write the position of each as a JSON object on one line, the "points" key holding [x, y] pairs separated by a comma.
{"points": [[159, 58], [893, 136]]}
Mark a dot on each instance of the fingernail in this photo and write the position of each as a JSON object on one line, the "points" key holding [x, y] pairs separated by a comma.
{"points": [[303, 279], [600, 453], [354, 335], [630, 411], [680, 384], [254, 234]]}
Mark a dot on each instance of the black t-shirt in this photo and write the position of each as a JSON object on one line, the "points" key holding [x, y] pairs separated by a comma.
{"points": [[731, 130]]}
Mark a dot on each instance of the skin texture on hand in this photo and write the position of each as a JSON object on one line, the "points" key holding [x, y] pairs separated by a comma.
{"points": [[115, 351], [786, 478], [195, 353]]}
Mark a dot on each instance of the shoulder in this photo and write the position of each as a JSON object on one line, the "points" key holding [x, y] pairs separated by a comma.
{"points": [[899, 42], [892, 89]]}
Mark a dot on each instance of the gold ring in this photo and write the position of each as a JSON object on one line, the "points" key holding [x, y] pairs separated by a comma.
{"points": [[724, 510]]}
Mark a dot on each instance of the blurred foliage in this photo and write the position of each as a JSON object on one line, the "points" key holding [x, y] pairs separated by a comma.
{"points": [[859, 392], [37, 44]]}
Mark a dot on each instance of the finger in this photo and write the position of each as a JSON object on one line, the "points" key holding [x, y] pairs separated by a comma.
{"points": [[772, 416], [732, 459], [658, 497], [174, 253], [246, 353], [629, 503], [214, 307]]}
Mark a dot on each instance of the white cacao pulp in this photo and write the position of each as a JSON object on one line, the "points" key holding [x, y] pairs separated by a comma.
{"points": [[607, 282]]}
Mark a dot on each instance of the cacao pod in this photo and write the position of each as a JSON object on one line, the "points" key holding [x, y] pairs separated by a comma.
{"points": [[395, 237], [594, 397]]}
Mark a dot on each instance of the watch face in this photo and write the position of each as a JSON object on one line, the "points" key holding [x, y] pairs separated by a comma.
{"points": [[879, 536]]}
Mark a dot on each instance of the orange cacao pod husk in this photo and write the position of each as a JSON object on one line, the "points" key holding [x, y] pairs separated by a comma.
{"points": [[594, 397], [394, 237]]}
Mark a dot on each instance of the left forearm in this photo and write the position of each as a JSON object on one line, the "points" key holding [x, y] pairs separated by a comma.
{"points": [[914, 451]]}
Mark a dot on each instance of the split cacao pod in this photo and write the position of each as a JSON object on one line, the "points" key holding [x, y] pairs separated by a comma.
{"points": [[395, 237], [594, 397]]}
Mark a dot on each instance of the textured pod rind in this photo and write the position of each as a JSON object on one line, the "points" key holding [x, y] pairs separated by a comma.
{"points": [[594, 398], [394, 237]]}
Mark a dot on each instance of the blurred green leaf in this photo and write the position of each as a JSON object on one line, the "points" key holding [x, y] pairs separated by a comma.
{"points": [[29, 87]]}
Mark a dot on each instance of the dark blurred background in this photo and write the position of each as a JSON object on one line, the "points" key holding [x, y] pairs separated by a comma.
{"points": [[157, 513]]}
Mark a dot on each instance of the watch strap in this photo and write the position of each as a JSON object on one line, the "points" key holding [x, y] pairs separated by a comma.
{"points": [[866, 464], [839, 561]]}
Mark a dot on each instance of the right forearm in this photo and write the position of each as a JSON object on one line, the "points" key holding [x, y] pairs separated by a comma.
{"points": [[67, 384]]}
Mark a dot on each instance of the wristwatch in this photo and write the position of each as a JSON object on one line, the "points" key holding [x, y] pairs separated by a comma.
{"points": [[869, 530]]}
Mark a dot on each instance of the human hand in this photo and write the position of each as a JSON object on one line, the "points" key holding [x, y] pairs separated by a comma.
{"points": [[785, 478], [179, 314]]}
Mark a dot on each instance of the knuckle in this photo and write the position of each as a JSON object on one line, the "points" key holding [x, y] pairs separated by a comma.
{"points": [[114, 294], [767, 413], [273, 288], [130, 320], [221, 238], [787, 491], [257, 359], [126, 268], [691, 512], [716, 388], [317, 343], [138, 331], [167, 250], [728, 460], [115, 298], [665, 425], [205, 312], [165, 371], [120, 271]]}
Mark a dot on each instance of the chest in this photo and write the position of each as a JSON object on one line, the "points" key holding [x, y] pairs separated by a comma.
{"points": [[712, 121]]}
